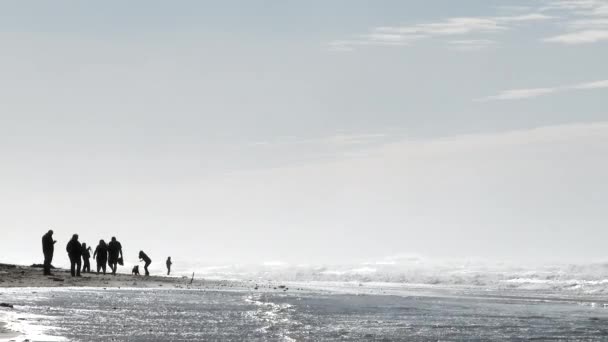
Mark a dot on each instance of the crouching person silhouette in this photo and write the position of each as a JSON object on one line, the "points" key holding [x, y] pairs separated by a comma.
{"points": [[135, 270]]}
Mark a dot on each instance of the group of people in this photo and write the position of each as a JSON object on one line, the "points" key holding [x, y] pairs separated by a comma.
{"points": [[79, 254]]}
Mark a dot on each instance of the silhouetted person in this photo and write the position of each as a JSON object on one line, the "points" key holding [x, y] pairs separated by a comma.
{"points": [[74, 250], [146, 259], [86, 255], [169, 263], [48, 248], [135, 270], [101, 256], [114, 249]]}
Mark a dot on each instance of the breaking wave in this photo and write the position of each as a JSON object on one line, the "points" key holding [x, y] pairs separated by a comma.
{"points": [[588, 279]]}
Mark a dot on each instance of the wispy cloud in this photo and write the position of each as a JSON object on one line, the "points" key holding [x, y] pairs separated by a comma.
{"points": [[526, 93], [452, 26], [471, 44], [516, 94], [587, 21], [510, 8], [337, 140], [579, 37], [408, 34], [571, 22], [592, 85], [580, 7], [373, 39]]}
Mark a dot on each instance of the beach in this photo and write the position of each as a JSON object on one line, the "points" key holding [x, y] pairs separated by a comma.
{"points": [[156, 308], [26, 276], [16, 279]]}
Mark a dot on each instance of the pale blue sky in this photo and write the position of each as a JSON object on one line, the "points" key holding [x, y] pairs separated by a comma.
{"points": [[307, 131]]}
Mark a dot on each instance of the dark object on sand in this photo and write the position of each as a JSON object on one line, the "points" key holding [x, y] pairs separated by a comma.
{"points": [[48, 249], [57, 279], [6, 305], [143, 256], [74, 249], [135, 270]]}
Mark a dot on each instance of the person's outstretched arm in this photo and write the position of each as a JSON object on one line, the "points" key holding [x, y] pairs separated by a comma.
{"points": [[95, 253]]}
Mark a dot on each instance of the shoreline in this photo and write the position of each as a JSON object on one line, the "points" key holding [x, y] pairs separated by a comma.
{"points": [[17, 276], [13, 277]]}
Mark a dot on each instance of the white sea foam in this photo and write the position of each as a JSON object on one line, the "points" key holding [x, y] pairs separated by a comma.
{"points": [[589, 278], [25, 323]]}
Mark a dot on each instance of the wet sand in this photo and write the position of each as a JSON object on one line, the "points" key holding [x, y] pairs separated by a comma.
{"points": [[16, 276], [5, 334]]}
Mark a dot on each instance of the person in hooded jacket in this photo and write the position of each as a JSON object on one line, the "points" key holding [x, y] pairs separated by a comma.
{"points": [[114, 250], [74, 250]]}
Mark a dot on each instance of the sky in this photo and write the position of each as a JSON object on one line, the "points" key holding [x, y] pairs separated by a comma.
{"points": [[306, 132]]}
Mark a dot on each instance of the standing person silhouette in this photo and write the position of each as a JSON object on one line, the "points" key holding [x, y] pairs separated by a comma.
{"points": [[74, 250], [114, 249], [86, 255], [101, 256], [169, 263], [146, 259], [48, 249]]}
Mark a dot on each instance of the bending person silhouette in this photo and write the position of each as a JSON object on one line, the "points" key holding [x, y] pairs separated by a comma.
{"points": [[74, 250], [114, 250], [48, 249], [146, 259], [169, 263], [101, 256]]}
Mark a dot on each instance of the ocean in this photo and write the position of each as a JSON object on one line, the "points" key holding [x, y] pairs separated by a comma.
{"points": [[307, 311]]}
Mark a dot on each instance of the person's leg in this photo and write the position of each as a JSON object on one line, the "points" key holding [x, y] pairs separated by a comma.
{"points": [[103, 267], [146, 268], [72, 267], [47, 264], [78, 264]]}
